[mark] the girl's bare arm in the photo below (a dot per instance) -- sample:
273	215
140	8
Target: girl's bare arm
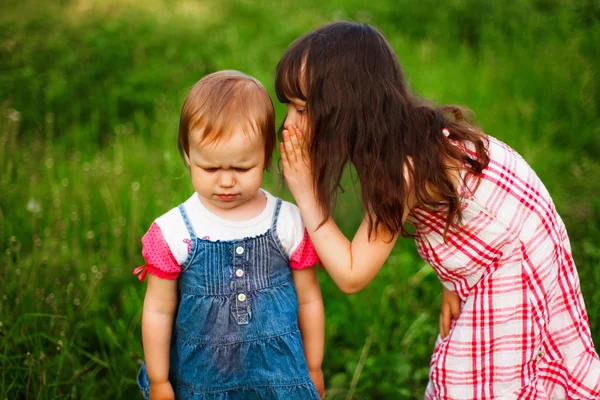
351	264
160	305
311	319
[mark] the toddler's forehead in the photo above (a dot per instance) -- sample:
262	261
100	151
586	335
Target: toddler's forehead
247	135
237	148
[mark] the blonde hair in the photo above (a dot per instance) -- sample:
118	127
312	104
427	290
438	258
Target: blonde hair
223	101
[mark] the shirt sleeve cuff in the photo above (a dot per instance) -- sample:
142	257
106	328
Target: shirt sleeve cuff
159	258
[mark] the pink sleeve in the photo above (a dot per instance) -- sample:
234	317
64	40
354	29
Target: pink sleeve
159	259
305	255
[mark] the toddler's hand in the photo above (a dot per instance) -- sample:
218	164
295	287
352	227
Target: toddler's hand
319	382
161	391
296	163
450	310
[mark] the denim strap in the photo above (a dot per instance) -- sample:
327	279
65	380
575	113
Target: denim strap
187	222
275	216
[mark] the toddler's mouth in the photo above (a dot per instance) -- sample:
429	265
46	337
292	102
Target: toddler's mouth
227	197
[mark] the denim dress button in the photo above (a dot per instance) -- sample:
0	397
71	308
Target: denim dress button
239	273
241	297
240	250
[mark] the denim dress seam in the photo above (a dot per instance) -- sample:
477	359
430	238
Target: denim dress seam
190	292
220	389
291	330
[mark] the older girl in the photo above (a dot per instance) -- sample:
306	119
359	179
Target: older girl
482	217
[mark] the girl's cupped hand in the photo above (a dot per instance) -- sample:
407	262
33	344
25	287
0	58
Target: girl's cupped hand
296	164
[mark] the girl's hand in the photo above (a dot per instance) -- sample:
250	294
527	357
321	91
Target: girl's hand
319	382
161	391
296	164
450	310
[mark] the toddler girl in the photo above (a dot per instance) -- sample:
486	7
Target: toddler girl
233	309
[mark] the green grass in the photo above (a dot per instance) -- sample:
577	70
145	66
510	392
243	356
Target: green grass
89	99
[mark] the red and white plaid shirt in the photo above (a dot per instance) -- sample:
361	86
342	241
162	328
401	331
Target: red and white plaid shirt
523	331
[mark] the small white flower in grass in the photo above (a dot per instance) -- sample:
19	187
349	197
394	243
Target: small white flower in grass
14	115
34	206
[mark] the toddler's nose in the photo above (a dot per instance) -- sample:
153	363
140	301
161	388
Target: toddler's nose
226	180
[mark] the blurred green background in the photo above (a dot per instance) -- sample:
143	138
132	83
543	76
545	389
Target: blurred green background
90	93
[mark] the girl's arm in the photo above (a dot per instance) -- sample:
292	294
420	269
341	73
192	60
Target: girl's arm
160	305
352	265
311	319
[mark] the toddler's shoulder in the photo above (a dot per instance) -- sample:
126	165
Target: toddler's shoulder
289	216
170	218
289	208
172	221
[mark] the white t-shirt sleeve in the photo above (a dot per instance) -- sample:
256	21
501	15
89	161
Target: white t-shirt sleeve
290	227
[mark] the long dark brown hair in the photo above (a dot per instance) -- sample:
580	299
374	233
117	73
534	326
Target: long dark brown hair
361	110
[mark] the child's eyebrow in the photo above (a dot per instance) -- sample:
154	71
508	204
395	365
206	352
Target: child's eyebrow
244	164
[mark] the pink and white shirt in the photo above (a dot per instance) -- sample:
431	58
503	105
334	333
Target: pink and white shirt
167	243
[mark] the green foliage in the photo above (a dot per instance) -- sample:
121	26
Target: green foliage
89	99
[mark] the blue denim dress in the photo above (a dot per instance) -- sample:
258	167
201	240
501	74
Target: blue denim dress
235	334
